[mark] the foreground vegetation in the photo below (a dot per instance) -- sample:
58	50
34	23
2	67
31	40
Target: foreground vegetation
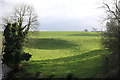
58	54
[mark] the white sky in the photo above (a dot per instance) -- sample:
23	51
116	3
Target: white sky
62	14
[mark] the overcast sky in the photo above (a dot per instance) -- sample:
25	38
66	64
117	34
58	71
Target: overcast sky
62	15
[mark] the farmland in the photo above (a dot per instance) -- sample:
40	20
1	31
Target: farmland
60	53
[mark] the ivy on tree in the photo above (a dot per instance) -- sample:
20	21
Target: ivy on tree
15	39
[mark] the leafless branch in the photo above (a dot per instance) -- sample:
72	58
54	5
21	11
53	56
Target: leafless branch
25	15
115	12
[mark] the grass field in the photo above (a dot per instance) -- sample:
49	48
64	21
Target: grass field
60	53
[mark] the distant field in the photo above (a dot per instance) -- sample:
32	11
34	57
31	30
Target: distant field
59	53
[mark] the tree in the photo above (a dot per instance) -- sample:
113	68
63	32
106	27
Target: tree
86	30
111	38
94	29
16	30
13	46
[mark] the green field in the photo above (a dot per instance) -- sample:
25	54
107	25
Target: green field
60	53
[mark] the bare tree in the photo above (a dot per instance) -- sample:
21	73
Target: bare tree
25	15
113	11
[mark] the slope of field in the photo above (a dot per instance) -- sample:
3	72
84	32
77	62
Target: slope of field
60	53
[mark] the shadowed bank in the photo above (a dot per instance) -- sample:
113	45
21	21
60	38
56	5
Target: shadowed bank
48	43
